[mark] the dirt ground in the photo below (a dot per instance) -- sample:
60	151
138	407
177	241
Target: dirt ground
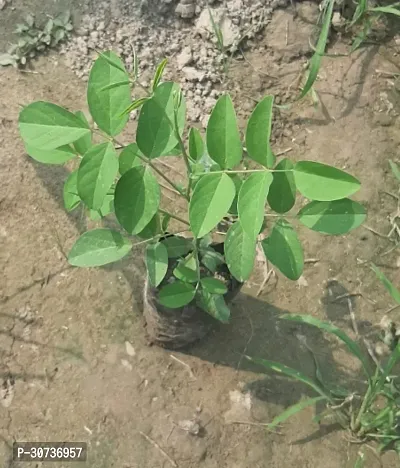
73	356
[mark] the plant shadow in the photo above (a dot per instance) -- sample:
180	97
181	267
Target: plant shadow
256	331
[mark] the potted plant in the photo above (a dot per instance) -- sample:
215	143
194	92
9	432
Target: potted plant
191	277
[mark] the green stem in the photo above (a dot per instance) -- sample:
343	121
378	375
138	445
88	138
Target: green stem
147	161
182	146
364	405
174	216
243	171
157	237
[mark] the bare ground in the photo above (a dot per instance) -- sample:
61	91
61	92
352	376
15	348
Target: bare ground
67	371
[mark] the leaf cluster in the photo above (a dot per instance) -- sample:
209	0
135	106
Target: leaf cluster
34	40
124	181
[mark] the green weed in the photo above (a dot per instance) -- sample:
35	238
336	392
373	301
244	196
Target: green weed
372	416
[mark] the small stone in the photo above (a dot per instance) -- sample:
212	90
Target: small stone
126	364
101	26
192	74
130	350
192	427
185	57
186	11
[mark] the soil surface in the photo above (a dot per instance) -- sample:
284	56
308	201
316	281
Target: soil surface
74	361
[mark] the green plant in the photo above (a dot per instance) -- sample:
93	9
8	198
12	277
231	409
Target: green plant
34	40
364	17
115	178
373	416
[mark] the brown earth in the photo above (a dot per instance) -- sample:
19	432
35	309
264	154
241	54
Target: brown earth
67	371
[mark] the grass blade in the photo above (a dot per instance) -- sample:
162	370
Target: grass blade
328	327
387	10
292	410
360	460
395	169
217	32
394	358
393	291
292	373
362	7
316	59
361	36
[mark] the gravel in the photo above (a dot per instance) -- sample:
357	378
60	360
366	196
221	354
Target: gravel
158	28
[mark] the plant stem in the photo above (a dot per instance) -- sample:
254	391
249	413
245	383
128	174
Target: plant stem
174	216
147	161
364	405
248	171
183	149
157	237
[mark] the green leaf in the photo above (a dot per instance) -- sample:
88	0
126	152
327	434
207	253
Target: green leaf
258	133
387	10
214	305
156	262
96	174
289	372
106	208
177	246
328	327
393	291
137	198
55	156
155	134
211	259
240	252
238	185
294	409
222	136
316	59
84	143
283	249
7	59
251	202
176	295
129	158
322	182
107	105
135	105
44	125
98	247
152	229
211	200
360	462
158	74
187	270
213	285
165	222
395	169
335	217
70	192
117	84
196	145
282	193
